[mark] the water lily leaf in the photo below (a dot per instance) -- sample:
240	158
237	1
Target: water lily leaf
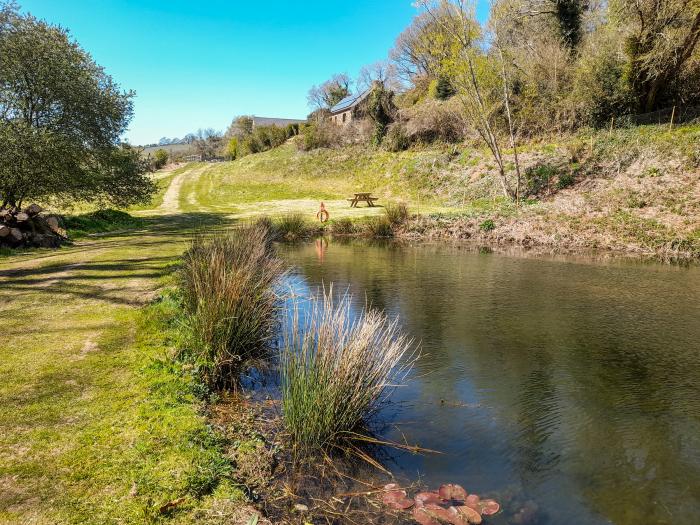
452	492
425	498
421	515
489	506
397	499
468	514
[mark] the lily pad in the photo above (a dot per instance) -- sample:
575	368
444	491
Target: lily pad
397	499
452	492
489	506
425	498
421	515
468	514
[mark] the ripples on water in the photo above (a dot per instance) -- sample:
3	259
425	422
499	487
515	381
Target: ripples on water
565	387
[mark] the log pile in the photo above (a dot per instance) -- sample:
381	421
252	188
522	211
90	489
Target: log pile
30	228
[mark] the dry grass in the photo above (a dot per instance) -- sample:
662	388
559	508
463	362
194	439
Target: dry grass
336	367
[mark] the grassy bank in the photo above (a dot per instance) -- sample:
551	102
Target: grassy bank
629	190
98	422
101	221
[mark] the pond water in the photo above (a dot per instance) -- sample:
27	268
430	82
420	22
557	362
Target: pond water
567	389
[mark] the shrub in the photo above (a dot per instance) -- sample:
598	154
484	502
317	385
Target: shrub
227	288
322	134
538	178
565	180
396	213
434	120
396	138
343	226
291	227
379	227
160	158
488	225
336	367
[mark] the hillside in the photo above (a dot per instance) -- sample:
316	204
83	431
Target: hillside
629	190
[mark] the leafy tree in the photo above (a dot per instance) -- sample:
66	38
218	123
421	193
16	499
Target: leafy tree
232	148
160	158
380	109
61	117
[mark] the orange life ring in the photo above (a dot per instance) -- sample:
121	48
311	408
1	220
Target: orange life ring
323	214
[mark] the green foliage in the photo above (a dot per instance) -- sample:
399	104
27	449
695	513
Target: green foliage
292	227
99	222
380	109
487	225
342	226
379	227
226	284
443	88
396	138
59	133
264	138
565	180
322	134
160	158
538	178
396	213
232	148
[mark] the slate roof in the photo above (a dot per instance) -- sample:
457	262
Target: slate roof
279	122
349	102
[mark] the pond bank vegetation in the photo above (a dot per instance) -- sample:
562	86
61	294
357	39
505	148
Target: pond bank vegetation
294	455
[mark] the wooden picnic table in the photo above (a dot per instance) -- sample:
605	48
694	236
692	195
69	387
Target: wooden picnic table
366	197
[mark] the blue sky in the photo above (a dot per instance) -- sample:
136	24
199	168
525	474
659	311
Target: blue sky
198	64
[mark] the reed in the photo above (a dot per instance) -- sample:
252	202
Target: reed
336	368
227	287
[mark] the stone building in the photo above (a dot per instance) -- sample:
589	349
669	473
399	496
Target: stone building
348	109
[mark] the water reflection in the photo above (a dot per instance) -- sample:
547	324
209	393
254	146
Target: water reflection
569	387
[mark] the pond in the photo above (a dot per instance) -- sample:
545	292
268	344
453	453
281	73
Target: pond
566	388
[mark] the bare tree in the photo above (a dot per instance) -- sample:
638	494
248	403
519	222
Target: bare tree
383	72
330	92
480	105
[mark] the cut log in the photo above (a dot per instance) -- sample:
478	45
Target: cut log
15	235
33	209
4	213
4	231
21	217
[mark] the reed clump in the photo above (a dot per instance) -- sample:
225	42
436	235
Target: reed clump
336	368
396	213
227	285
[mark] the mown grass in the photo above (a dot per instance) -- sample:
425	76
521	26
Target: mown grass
99	424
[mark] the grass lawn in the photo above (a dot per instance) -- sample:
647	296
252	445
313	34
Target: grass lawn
96	423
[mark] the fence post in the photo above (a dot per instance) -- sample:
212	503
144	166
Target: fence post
612	122
673	114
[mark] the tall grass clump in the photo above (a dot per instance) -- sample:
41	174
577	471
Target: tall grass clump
379	226
292	226
336	367
396	213
227	287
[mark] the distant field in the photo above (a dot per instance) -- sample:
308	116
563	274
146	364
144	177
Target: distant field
171	148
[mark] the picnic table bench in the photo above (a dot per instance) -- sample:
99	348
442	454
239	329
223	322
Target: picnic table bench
366	197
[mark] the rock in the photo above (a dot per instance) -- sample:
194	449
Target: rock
4	231
21	217
33	209
300	507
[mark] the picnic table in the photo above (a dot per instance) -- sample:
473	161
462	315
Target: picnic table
366	197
